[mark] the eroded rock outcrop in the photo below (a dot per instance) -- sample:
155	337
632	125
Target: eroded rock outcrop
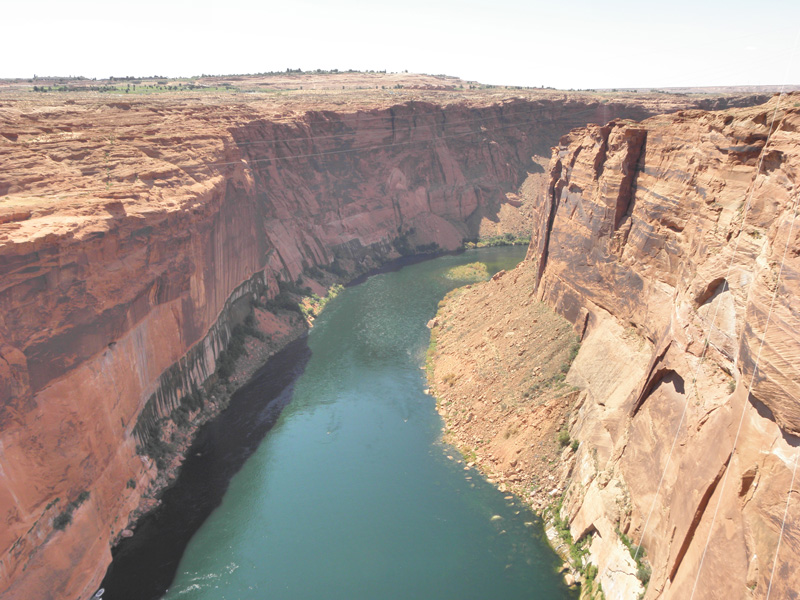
672	246
133	235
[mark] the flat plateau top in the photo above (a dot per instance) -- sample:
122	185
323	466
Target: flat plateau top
149	146
285	96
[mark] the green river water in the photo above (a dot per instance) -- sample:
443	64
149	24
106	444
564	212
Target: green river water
351	495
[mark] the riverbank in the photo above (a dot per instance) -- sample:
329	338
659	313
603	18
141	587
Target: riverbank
274	323
274	331
497	366
145	564
351	435
497	370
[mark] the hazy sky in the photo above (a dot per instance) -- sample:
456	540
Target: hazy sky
568	44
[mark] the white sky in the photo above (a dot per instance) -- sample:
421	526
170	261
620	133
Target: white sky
567	44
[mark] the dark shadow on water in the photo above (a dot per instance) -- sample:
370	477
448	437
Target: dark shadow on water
398	263
144	566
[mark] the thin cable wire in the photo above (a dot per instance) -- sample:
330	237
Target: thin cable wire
783	524
707	338
766	327
749	389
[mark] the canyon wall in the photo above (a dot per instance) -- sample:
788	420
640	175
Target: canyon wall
130	232
672	246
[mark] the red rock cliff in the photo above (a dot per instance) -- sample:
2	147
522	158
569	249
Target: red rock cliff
129	231
673	247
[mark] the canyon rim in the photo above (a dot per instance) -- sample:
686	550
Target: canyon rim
136	234
670	246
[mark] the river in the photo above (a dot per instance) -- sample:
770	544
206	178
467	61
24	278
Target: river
326	477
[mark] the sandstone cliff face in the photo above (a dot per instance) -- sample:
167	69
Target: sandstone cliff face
130	232
672	245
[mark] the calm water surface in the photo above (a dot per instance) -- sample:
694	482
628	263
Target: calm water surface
351	495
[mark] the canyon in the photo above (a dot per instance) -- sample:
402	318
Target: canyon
136	233
670	246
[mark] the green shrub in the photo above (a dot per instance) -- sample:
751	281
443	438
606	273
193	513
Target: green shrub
283	301
314	272
643	572
294	288
563	438
180	416
158	450
61	521
236	344
590	575
224	365
506	239
638	554
578	551
573	352
402	245
194	400
472	272
427	248
249	328
335	269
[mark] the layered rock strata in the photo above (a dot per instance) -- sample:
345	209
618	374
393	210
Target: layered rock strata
133	237
673	247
